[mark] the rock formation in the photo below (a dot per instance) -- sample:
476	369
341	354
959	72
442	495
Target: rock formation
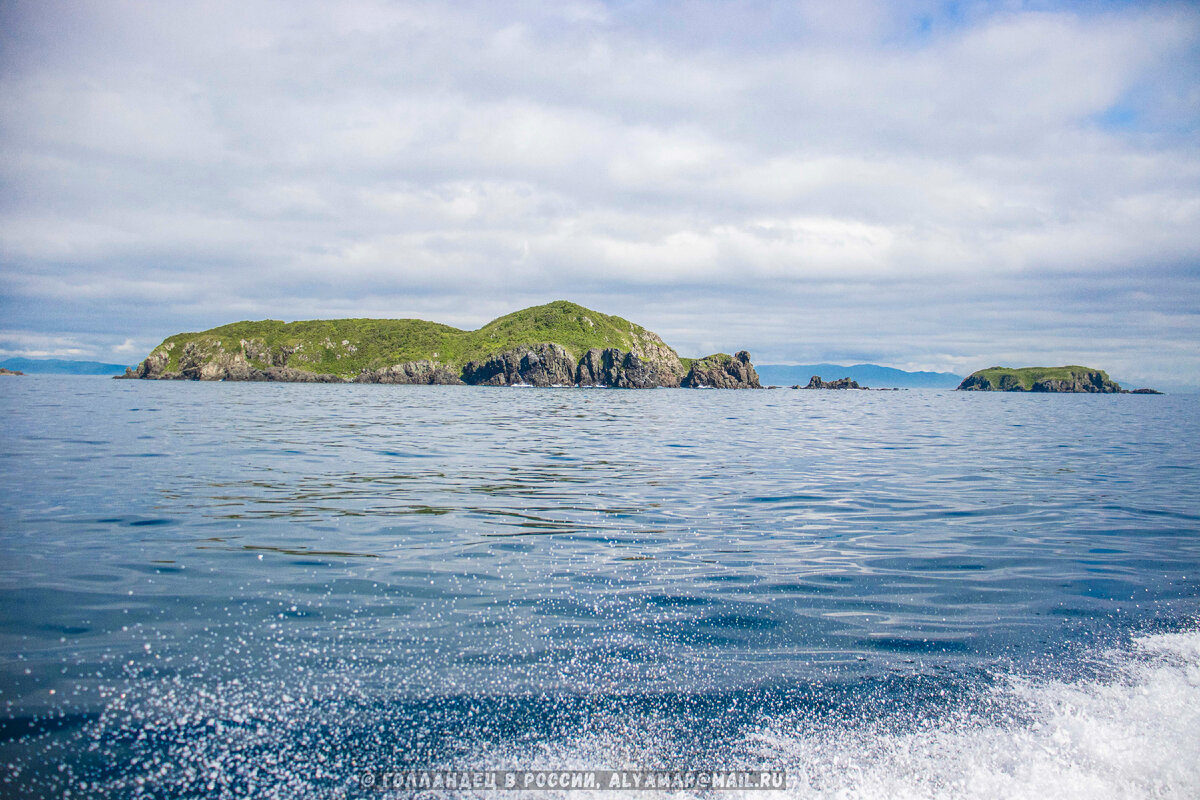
411	372
543	364
722	371
841	383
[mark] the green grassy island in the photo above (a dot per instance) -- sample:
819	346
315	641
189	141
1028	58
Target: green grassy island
557	344
1072	379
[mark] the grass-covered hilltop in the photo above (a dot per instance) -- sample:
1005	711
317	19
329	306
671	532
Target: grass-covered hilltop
1044	379
557	344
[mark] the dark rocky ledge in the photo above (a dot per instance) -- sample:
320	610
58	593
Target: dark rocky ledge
425	373
841	383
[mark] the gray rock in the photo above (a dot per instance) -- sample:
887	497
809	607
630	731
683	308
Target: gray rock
1090	383
722	372
537	365
422	372
620	370
841	383
599	367
154	365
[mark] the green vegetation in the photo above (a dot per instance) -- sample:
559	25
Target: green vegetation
572	326
714	360
346	347
1024	378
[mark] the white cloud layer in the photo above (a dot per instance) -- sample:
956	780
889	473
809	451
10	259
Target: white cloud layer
922	184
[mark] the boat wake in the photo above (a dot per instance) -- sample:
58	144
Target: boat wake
1134	733
1129	730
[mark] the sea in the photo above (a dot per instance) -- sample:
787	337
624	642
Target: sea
304	591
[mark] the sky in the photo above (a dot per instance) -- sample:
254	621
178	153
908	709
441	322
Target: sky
928	185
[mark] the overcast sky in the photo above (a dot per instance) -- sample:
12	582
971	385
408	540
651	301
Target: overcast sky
927	185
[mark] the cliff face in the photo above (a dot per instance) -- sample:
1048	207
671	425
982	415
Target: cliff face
1072	379
722	371
559	344
544	364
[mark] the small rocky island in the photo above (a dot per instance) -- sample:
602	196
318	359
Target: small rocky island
841	383
1069	379
558	344
4	371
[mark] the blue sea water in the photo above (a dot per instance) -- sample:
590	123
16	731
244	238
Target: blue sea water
225	590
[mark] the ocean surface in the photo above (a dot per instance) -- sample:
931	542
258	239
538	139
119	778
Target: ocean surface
227	590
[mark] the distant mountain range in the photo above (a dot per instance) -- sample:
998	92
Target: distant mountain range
871	375
58	366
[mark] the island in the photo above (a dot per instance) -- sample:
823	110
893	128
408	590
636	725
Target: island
1068	379
815	382
4	371
557	344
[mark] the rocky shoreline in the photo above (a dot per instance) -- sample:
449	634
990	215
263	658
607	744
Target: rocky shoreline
540	365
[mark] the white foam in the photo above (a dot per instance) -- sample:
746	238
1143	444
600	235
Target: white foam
1134	734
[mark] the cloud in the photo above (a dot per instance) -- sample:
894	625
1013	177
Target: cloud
905	183
31	344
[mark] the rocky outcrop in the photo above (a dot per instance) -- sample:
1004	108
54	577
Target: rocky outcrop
615	369
722	371
1091	383
983	383
412	372
599	367
532	365
288	375
841	383
199	363
4	371
666	368
155	364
